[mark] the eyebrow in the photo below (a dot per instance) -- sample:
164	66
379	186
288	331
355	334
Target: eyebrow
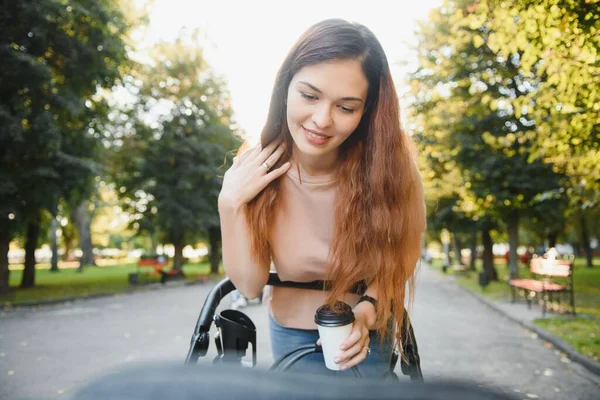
319	91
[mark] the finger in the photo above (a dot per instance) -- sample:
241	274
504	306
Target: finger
276	173
319	342
267	151
271	147
351	340
251	153
273	158
236	162
351	352
248	155
354	361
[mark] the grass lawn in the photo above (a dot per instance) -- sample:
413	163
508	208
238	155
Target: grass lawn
582	331
68	282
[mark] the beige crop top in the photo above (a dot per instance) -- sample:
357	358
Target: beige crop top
302	235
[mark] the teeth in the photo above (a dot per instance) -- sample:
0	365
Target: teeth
316	136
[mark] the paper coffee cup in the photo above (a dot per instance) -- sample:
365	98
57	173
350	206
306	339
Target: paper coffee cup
335	325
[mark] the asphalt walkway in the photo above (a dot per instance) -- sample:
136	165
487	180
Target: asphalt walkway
47	352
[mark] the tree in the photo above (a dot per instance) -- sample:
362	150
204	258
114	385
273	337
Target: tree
54	245
557	43
547	217
451	203
464	91
81	215
55	59
170	163
68	231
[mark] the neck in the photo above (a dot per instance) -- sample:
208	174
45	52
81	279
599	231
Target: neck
317	165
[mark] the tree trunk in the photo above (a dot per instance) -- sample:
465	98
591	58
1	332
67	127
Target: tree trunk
53	245
585	237
473	251
82	224
154	242
214	239
68	242
4	271
577	248
87	246
488	255
552	236
446	249
513	244
457	248
178	258
31	241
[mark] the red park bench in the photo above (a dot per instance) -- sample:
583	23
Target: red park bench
152	267
543	282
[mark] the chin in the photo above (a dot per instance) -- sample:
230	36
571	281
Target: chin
310	150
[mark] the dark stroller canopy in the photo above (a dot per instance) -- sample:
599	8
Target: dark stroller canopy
179	382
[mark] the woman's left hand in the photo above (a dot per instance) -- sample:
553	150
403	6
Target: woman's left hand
355	348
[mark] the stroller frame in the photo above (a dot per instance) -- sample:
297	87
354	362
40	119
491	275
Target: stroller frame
410	365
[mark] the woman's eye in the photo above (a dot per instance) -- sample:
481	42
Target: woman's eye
308	96
347	110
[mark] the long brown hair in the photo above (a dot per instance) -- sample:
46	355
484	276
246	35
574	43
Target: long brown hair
379	212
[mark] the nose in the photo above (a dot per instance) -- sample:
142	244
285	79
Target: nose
322	116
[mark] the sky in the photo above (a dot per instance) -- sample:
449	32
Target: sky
246	41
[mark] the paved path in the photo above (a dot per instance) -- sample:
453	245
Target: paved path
48	352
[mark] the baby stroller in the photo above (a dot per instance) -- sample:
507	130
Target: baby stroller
236	332
224	380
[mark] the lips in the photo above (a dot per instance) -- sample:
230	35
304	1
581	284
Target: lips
316	132
313	139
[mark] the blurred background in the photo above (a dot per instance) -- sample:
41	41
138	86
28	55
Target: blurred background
118	119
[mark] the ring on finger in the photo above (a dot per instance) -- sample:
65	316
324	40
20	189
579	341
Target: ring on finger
368	349
266	165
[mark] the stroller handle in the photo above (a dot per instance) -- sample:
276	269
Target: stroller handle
200	338
225	286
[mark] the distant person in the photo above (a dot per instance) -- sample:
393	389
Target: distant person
238	300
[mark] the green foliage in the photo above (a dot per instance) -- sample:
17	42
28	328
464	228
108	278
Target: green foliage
581	333
172	156
462	96
55	56
557	45
69	282
506	109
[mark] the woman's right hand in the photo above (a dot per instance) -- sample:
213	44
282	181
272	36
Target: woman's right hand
249	174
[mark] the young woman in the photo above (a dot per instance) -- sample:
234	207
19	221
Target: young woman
332	193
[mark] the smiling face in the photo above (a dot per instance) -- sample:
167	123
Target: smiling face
325	104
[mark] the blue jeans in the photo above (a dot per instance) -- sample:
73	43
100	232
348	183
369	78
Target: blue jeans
283	340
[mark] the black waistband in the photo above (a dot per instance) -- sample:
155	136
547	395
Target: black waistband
359	288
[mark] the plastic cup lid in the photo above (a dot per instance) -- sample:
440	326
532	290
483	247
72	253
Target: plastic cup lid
340	315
